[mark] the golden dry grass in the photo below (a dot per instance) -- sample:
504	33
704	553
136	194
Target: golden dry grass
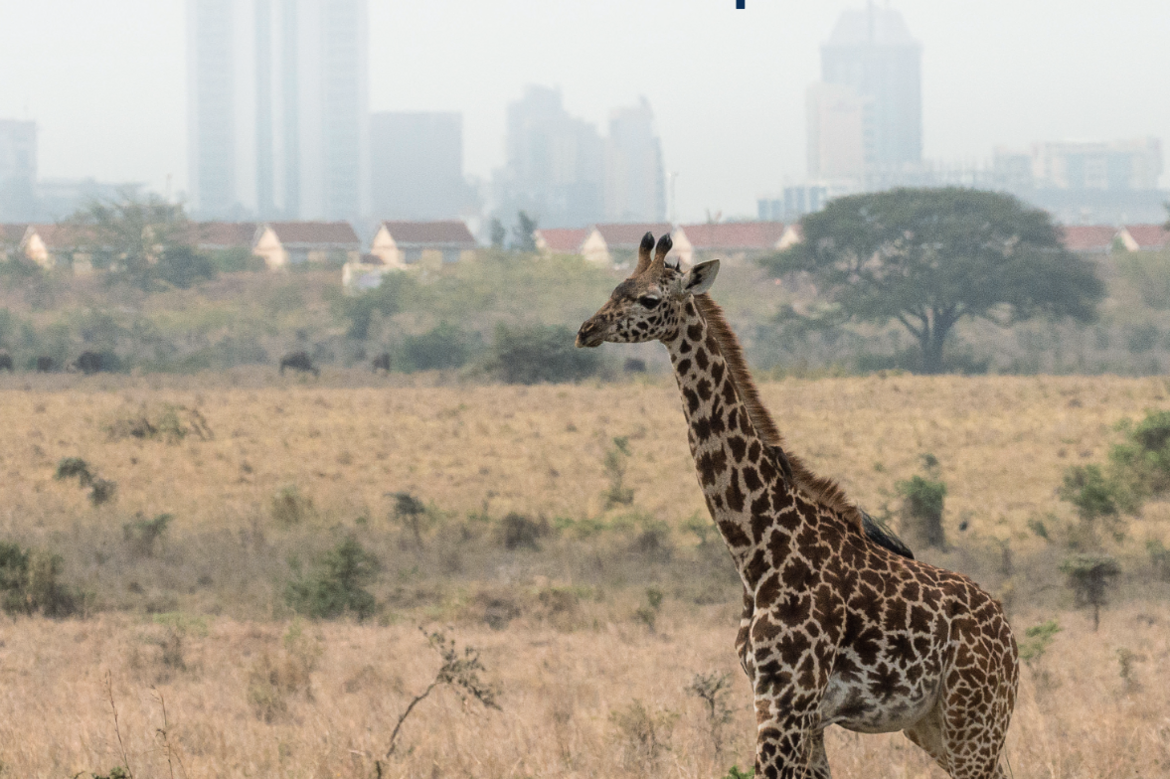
1003	444
1076	716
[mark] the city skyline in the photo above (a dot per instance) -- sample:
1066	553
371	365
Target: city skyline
727	87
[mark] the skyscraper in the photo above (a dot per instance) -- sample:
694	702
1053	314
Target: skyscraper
277	122
18	170
635	182
554	164
872	55
416	165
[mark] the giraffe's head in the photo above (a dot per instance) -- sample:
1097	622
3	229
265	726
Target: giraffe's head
648	305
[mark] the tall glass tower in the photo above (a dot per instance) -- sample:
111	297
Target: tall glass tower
277	99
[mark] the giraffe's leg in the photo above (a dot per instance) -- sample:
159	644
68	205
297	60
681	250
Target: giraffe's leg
964	732
791	748
743	637
927	733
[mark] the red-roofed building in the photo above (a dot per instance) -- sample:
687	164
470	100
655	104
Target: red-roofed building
554	240
60	246
733	241
1144	238
616	244
218	236
1088	239
405	245
282	244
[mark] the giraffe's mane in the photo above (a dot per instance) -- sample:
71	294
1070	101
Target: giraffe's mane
820	489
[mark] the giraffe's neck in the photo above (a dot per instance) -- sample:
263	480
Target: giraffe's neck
737	471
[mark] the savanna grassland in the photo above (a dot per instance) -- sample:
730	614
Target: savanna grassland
581	567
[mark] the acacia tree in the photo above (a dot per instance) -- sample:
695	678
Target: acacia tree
929	257
145	238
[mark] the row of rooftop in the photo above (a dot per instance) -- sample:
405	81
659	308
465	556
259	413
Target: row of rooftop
405	245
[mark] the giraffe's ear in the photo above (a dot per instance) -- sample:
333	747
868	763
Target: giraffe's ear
700	278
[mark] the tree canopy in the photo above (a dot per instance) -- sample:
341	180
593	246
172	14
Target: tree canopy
929	257
146	240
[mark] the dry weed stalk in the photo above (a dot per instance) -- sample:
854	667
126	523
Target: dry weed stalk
459	671
117	729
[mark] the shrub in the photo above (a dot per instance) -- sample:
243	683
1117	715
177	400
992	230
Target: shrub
541	353
1159	559
445	346
713	689
644	735
647	613
520	532
141	534
29	583
615	468
1088	576
289	507
411	514
184	267
1037	640
1142	461
387	299
337	583
100	490
922	509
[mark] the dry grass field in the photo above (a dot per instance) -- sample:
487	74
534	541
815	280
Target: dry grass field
199	620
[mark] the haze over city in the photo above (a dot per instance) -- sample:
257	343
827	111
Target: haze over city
107	88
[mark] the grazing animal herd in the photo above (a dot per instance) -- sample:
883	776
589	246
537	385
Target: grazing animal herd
90	362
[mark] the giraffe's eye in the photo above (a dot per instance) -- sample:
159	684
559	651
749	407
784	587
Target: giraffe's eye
648	301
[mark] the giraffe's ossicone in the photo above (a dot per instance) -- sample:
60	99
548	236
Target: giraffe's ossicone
839	627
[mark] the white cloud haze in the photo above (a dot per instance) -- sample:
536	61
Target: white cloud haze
106	79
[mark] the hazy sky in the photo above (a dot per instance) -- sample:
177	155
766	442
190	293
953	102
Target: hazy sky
105	79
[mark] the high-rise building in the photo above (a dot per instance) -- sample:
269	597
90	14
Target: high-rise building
871	54
18	170
416	165
635	182
554	164
277	120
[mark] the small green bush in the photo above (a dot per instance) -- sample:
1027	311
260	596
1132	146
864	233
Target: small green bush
100	490
1088	576
922	509
615	469
1142	461
289	507
412	515
184	267
443	347
519	532
1092	494
337	584
541	353
142	534
1037	640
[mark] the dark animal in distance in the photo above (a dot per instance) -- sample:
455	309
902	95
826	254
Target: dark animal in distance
382	362
6	361
634	365
298	361
90	363
46	364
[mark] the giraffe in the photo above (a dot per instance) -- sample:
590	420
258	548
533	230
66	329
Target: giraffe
839	626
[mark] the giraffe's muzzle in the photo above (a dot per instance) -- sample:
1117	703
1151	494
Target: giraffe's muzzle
590	335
